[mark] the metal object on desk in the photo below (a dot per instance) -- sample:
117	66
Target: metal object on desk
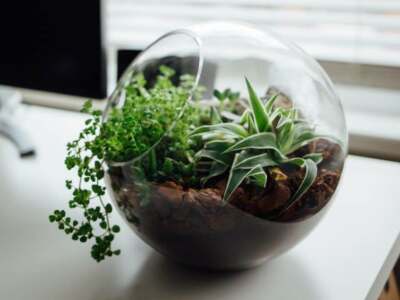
9	127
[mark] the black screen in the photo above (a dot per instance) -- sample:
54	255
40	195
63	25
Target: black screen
124	59
52	45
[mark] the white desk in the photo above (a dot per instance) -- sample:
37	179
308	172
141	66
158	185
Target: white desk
348	256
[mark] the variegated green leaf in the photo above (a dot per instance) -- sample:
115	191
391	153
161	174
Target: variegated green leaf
301	140
216	135
230	128
282	122
259	177
249	161
285	137
316	157
236	177
215	115
243	118
309	177
231	116
270	103
277	113
264	141
215	170
297	161
251	124
223	158
218	145
258	110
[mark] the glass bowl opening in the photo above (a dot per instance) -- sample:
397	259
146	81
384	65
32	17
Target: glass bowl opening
179	50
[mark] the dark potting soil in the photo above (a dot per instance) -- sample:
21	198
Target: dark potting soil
174	204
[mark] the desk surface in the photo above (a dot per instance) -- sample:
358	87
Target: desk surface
348	256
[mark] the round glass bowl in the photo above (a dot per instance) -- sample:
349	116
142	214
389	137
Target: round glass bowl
192	223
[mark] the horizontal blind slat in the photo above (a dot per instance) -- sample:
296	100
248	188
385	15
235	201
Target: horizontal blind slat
371	5
367	30
261	15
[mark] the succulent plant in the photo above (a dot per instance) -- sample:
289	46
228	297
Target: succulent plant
265	136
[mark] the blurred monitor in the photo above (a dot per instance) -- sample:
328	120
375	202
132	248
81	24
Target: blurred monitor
124	59
179	64
53	46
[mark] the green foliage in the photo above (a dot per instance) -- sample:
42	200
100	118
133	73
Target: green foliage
128	132
227	94
86	156
206	141
265	137
146	116
258	111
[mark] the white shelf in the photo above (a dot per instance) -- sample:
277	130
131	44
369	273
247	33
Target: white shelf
348	256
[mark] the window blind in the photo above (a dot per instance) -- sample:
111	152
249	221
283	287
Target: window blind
355	31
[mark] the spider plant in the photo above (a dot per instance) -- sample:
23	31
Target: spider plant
265	136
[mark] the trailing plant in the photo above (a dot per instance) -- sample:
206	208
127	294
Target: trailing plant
128	132
266	136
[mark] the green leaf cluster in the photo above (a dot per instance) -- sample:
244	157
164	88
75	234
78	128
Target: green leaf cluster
266	136
143	121
86	155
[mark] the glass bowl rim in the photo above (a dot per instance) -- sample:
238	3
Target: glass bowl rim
130	69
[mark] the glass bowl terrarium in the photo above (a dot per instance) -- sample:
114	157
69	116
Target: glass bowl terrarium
245	145
222	146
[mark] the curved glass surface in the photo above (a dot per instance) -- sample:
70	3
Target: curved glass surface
189	220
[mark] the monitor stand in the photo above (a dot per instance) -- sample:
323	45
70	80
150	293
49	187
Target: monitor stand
9	127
